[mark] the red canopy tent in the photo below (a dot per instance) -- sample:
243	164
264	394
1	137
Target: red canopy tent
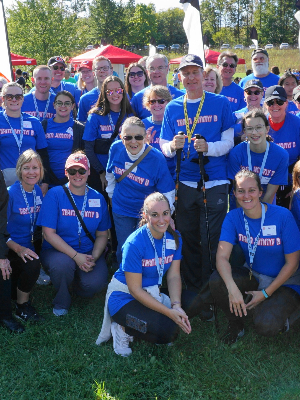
21	60
211	57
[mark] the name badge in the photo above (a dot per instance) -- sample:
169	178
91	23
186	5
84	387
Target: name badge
70	130
269	230
94	202
38	200
106	135
27	124
128	165
170	244
265	180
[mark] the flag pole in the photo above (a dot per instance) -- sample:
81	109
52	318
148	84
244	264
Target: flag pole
5	62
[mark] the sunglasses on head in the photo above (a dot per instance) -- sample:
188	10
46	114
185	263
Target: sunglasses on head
159	101
275	101
111	92
136	137
225	64
138	73
11	96
73	171
56	67
256	92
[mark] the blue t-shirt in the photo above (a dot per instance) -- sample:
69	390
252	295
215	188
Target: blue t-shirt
283	238
150	175
137	101
269	80
292	108
29	107
99	126
33	138
295	207
57	213
86	102
215	118
70	87
59	138
154	142
78	94
138	256
237	117
235	95
18	218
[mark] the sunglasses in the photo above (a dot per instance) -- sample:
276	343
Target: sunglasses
159	101
274	101
56	67
256	92
137	137
63	103
11	96
111	92
225	64
73	171
133	74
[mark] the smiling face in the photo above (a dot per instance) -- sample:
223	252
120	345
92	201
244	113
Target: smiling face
227	72
62	108
42	81
247	193
158	72
102	70
256	130
277	112
116	98
260	64
58	74
158	218
133	146
253	100
289	85
87	75
77	181
157	110
13	105
30	174
136	81
191	76
210	82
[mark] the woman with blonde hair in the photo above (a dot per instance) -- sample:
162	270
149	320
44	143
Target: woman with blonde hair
212	81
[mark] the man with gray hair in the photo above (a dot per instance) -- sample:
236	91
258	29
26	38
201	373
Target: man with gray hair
157	68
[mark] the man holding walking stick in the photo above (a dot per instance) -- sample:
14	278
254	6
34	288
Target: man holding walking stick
208	115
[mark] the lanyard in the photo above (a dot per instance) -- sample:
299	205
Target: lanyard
81	212
188	130
18	141
32	219
160	268
263	162
111	122
37	109
252	250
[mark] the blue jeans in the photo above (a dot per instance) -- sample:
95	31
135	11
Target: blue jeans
124	227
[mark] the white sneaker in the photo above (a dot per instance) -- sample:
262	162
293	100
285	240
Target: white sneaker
121	340
43	278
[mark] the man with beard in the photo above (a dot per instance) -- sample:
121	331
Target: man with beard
260	66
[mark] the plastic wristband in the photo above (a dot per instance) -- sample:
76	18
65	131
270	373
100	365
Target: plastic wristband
74	256
174	303
265	294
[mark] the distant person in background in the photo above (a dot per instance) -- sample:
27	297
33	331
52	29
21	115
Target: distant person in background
248	72
275	70
176	82
68	77
295	201
19	78
212	81
25	76
296	95
136	79
289	81
227	62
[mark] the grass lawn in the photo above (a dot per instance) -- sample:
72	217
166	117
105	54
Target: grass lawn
59	360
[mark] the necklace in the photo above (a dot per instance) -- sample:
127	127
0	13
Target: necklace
18	141
81	212
189	131
32	218
36	107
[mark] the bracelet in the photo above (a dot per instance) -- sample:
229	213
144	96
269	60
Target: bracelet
74	256
175	302
265	294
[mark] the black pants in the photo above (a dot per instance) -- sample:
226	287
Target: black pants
160	328
191	223
24	275
270	315
281	199
5	293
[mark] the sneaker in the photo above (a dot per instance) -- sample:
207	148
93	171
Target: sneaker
26	312
207	314
234	331
12	325
43	278
58	312
121	340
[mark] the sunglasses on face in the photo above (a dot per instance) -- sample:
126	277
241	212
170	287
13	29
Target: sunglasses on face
256	92
56	67
133	74
275	101
136	137
225	64
73	171
111	92
159	101
11	96
63	103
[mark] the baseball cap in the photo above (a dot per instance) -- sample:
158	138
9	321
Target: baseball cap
86	64
254	83
55	60
190	59
296	92
77	160
259	50
275	92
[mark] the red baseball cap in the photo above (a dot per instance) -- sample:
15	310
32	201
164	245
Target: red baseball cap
77	160
86	64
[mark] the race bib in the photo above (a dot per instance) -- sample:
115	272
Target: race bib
265	180
269	230
94	202
70	130
170	244
27	124
38	200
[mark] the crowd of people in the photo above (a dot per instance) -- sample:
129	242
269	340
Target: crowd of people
148	171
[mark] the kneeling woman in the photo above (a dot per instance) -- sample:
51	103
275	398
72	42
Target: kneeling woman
270	240
133	298
72	251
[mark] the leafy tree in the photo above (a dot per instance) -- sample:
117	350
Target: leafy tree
143	24
170	27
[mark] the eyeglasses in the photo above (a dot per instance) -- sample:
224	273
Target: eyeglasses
225	64
11	96
136	137
111	92
63	103
102	69
138	73
73	171
258	128
56	67
159	101
160	69
256	92
274	101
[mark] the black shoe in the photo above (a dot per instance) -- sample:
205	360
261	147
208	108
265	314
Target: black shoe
12	325
26	312
207	314
234	331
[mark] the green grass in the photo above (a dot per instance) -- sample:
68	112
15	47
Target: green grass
59	360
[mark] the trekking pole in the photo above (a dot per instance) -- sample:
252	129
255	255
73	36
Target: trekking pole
178	166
